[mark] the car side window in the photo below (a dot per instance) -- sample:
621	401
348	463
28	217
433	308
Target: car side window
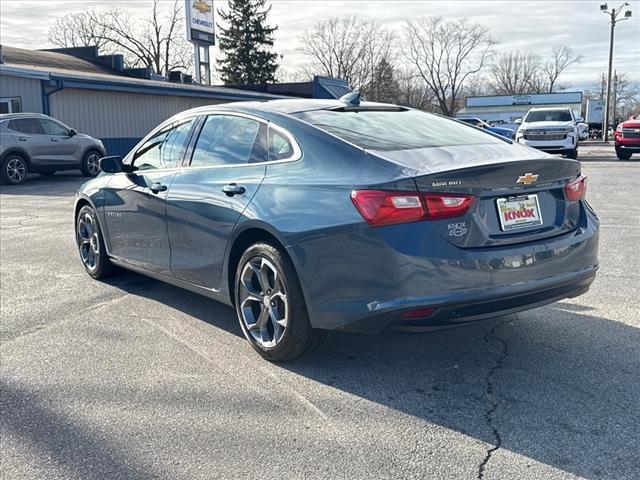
279	146
225	140
24	125
49	127
165	149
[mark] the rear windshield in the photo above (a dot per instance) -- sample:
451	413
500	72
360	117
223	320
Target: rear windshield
395	129
549	116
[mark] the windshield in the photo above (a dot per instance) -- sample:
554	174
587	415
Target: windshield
395	129
549	116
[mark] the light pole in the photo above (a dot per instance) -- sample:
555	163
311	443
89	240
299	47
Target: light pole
604	8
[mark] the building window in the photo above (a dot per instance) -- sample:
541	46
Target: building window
10	105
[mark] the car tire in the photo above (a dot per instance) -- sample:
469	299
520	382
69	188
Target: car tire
270	305
573	154
90	163
623	155
90	242
47	173
14	169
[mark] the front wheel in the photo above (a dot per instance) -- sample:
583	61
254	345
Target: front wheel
91	244
573	154
14	170
270	305
623	155
91	164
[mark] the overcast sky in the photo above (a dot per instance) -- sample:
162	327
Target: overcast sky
534	25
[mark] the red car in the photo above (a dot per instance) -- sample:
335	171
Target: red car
627	137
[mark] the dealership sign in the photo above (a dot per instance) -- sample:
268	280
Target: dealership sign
199	15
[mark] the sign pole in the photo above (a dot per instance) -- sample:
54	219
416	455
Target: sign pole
196	56
200	32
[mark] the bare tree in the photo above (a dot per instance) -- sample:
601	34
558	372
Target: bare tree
413	92
562	57
77	30
446	53
348	48
625	96
515	73
155	42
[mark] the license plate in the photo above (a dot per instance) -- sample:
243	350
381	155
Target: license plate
519	212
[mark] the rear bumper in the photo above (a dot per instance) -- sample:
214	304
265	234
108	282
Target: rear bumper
364	280
459	311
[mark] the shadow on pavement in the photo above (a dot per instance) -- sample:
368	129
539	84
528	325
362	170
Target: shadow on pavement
80	450
563	392
210	311
59	185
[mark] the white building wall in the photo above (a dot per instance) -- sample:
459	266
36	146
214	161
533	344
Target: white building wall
28	89
105	114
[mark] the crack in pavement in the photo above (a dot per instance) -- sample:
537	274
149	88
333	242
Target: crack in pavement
491	396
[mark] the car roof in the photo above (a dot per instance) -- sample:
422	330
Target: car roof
287	106
11	116
550	108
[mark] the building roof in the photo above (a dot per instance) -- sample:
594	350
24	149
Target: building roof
320	87
53	60
68	71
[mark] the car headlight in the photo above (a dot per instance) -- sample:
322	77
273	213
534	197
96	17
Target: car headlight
568	130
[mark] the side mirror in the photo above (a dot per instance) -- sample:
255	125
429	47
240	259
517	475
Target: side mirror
72	132
579	120
518	121
111	164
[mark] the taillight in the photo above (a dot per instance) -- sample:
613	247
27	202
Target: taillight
576	189
418	313
385	207
450	205
382	207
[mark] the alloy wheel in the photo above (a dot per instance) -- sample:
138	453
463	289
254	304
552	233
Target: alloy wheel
263	302
93	164
16	170
88	242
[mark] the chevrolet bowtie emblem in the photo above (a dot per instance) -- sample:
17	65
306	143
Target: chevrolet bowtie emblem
527	178
201	6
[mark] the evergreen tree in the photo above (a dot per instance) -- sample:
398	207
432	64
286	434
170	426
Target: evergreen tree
246	43
383	86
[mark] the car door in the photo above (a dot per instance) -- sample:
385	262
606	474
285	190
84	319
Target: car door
135	205
207	198
63	149
28	136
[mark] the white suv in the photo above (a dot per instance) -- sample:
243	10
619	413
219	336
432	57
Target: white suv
553	130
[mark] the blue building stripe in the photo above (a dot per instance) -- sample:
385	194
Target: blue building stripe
119	146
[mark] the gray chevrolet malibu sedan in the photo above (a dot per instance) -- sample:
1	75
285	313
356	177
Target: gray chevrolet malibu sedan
310	215
33	142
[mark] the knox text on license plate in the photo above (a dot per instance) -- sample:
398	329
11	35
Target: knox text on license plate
519	212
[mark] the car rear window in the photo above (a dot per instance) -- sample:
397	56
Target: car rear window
24	125
395	129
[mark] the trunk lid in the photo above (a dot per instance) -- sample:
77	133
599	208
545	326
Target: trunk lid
498	177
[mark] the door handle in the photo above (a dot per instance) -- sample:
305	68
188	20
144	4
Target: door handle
22	139
53	139
158	187
233	189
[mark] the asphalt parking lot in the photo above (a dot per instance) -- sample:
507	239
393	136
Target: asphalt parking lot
131	378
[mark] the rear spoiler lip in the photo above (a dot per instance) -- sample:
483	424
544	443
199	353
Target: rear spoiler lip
447	160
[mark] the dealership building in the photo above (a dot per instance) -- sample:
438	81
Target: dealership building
97	95
506	109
